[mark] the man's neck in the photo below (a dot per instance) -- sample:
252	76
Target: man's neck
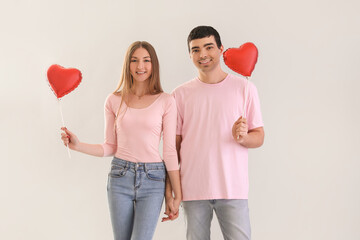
212	77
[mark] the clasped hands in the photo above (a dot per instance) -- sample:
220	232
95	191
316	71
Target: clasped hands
171	208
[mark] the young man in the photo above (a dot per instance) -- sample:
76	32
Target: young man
213	138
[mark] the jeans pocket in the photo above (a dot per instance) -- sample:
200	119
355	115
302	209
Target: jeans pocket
117	171
156	174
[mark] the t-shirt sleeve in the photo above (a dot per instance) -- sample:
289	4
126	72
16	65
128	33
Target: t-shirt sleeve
109	144
169	135
179	118
253	111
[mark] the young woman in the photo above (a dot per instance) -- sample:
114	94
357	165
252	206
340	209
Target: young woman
136	115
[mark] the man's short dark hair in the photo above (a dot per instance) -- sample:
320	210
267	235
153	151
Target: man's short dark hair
202	32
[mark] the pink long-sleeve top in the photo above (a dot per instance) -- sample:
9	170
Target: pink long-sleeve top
138	131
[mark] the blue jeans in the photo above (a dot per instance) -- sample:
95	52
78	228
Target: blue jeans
233	217
135	194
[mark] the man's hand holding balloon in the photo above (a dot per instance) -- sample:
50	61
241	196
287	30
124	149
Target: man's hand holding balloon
240	130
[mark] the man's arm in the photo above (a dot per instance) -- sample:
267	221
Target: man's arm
247	138
254	138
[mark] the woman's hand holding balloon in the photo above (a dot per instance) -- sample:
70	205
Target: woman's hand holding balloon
69	139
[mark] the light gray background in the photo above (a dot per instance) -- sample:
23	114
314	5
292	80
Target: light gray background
304	181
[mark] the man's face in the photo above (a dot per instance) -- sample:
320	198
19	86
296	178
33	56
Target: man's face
205	53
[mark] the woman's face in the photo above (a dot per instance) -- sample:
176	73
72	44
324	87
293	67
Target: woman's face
140	65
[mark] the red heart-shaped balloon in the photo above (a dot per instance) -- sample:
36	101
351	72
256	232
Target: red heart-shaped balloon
63	80
243	59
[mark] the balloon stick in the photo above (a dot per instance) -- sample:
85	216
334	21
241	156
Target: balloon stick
63	123
245	100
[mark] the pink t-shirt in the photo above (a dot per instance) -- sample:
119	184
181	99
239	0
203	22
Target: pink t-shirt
138	131
213	165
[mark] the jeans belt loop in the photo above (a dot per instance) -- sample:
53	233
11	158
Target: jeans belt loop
145	168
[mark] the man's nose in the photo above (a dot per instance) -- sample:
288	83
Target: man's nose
203	53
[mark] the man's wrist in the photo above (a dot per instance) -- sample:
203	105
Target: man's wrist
242	140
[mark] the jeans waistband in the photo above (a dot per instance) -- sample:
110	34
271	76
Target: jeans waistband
138	165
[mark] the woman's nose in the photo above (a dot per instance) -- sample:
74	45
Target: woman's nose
140	65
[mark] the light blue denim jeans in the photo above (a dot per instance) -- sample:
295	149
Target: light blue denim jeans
135	194
233	217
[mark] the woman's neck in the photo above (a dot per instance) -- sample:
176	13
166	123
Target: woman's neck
140	89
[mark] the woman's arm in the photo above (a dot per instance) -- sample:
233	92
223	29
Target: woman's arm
174	177
71	140
171	159
169	198
108	148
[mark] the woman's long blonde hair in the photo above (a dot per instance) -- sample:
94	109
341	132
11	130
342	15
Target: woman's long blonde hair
126	82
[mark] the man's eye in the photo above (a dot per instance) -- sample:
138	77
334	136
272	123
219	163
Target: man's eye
195	51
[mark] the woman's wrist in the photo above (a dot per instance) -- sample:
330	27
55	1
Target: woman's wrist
178	196
77	147
168	195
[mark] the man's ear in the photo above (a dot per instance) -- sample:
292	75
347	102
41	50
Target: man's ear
222	49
